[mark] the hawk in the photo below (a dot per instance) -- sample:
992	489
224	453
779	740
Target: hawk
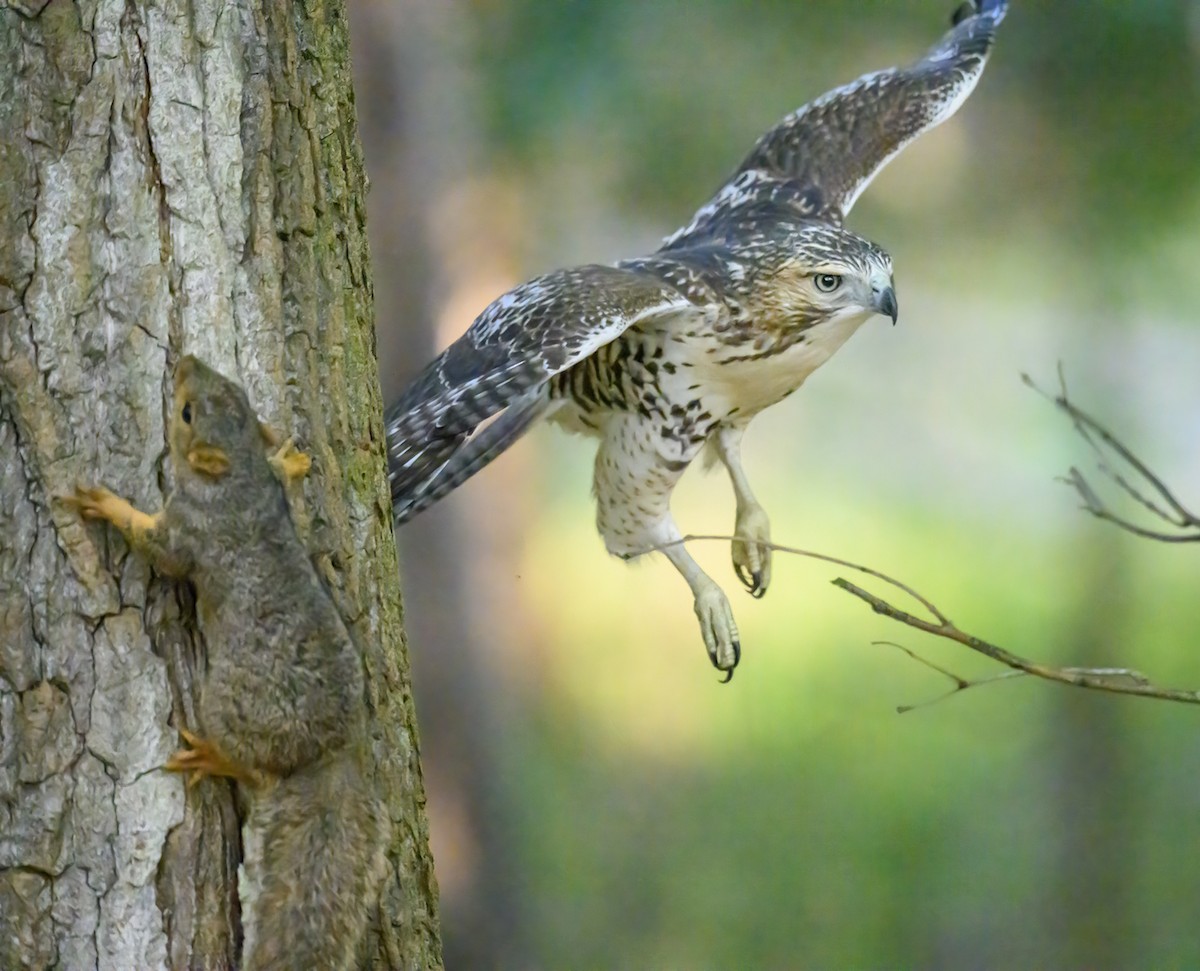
668	355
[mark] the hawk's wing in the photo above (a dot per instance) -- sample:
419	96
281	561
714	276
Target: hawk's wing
502	364
837	144
820	158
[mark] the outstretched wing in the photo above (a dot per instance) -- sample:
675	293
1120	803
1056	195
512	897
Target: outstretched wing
502	364
819	159
837	144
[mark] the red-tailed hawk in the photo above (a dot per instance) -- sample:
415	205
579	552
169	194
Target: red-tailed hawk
661	356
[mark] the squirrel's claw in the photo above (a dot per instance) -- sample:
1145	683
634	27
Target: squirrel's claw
290	463
97	502
204	758
91	502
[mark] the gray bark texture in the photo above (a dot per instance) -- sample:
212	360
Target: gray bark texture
176	176
419	120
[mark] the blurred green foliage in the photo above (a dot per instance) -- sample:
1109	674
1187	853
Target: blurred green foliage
674	92
796	821
791	819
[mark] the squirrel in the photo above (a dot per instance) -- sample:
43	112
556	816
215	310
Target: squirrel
281	707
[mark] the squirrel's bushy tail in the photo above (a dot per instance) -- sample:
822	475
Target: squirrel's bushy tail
324	842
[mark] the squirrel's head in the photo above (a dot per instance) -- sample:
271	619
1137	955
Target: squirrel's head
212	421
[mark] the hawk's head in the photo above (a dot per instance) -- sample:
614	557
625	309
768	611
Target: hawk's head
831	274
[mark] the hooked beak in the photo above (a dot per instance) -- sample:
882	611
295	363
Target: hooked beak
884	302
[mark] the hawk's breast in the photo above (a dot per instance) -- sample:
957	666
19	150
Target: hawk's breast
755	377
693	374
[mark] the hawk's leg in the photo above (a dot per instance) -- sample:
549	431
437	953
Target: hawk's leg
717	625
636	470
751	553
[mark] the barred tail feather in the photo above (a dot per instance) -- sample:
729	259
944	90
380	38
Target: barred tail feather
412	464
441	466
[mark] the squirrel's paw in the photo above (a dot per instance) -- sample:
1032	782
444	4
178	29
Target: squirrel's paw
290	463
92	502
96	502
204	758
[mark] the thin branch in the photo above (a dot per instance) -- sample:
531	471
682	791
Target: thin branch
1086	425
1122	681
1099	439
960	683
824	558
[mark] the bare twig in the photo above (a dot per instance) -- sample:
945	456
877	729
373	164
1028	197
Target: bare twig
1165	507
1145	488
795	551
960	684
1122	681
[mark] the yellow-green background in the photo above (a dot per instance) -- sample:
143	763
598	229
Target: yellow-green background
598	800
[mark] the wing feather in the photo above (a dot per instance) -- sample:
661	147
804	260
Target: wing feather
445	469
837	144
817	161
821	157
515	346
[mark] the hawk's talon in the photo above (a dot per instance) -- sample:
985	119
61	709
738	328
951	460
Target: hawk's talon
752	550
737	659
718	628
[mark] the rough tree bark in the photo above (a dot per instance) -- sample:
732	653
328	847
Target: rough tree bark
177	176
417	105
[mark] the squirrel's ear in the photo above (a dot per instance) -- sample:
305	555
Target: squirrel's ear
208	460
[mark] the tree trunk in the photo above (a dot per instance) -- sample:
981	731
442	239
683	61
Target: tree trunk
417	105
176	177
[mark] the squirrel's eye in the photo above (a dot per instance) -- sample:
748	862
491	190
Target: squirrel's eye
187	413
827	282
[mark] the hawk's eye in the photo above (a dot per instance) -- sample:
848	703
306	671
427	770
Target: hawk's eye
827	282
186	414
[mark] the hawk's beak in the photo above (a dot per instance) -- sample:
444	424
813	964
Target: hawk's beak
885	302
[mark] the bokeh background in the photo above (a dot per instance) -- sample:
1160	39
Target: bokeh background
597	799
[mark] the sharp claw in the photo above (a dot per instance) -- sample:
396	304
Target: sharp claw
752	579
728	672
718	628
737	658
